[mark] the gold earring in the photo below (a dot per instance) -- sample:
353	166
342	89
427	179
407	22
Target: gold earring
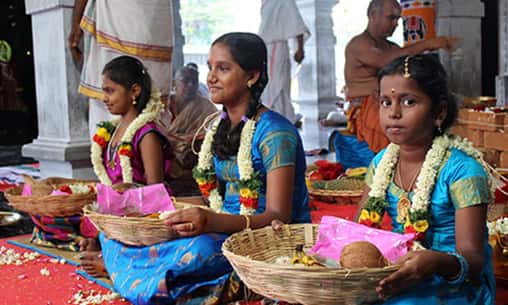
134	102
249	84
438	126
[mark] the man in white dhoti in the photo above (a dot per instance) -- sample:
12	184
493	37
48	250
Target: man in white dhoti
280	22
143	29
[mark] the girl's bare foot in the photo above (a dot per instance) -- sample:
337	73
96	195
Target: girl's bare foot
93	264
91	258
89	244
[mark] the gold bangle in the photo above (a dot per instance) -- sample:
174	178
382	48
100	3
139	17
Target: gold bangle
247	222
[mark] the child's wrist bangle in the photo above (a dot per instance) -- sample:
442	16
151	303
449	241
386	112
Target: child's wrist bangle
461	277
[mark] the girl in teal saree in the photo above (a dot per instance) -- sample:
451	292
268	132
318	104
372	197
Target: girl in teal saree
432	184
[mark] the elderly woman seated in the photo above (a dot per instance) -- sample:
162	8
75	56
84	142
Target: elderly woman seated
189	109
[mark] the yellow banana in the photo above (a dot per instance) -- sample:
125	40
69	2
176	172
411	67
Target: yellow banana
357	171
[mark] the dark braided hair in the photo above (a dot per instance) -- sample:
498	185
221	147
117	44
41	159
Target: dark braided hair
249	52
432	79
127	71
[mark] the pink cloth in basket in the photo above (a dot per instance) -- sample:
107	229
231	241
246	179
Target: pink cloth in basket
335	233
137	201
27	190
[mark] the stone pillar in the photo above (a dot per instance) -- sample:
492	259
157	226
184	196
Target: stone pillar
502	78
62	146
179	41
317	76
462	19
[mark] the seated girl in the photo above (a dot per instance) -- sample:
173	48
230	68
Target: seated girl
132	149
432	184
251	168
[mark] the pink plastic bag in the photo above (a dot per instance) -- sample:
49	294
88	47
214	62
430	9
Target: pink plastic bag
59	193
138	201
335	233
27	190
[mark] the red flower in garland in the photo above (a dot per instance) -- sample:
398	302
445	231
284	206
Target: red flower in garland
367	223
251	203
411	229
206	188
99	140
125	152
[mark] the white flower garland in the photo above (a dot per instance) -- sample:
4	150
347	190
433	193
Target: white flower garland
428	173
149	114
244	161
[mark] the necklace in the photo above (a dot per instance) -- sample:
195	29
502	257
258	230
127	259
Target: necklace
418	219
404	203
110	154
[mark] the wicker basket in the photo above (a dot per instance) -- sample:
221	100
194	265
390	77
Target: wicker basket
47	205
350	194
134	231
251	253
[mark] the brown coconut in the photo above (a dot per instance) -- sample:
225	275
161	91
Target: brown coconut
362	254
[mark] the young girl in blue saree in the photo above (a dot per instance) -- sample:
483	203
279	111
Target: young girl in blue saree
432	184
251	169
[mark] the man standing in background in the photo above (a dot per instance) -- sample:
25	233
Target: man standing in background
280	22
366	54
143	29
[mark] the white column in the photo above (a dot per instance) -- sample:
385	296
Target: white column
462	19
316	79
62	147
177	59
502	78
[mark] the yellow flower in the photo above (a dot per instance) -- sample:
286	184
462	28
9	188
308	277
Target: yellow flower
375	217
254	194
125	146
200	181
407	223
364	215
103	132
245	193
421	226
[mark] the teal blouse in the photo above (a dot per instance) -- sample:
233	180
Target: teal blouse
461	183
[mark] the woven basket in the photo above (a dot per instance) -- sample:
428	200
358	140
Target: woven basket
251	253
350	194
134	231
47	205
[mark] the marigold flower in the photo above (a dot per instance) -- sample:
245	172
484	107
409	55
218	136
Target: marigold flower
249	202
367	223
103	133
421	226
364	215
375	217
125	152
245	193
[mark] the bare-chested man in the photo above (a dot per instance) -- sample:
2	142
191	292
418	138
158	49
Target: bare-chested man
365	55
